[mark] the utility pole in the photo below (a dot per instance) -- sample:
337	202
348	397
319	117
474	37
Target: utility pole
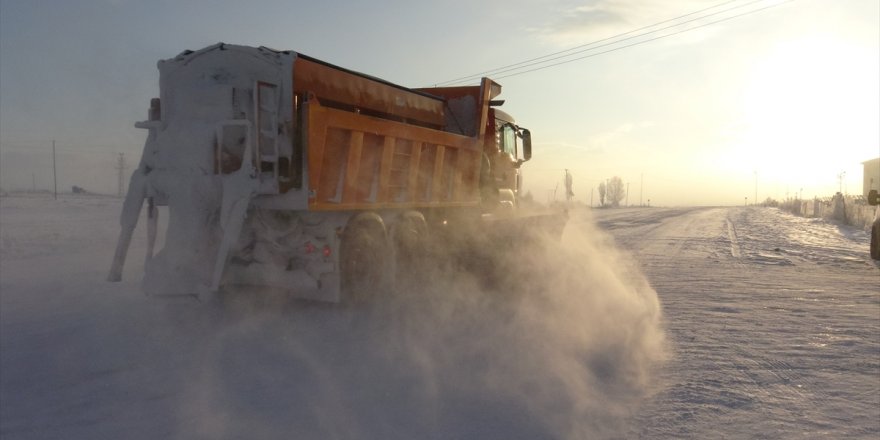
120	167
569	194
627	194
755	200
840	179
54	170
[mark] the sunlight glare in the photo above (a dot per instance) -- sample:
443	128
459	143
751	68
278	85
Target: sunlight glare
809	111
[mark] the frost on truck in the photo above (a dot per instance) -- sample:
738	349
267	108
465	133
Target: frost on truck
283	172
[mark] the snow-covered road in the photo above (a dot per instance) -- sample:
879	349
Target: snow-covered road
564	350
774	322
770	328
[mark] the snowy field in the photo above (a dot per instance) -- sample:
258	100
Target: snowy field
650	323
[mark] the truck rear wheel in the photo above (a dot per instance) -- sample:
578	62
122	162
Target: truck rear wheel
363	257
409	236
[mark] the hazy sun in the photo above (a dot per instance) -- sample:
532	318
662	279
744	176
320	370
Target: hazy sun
810	111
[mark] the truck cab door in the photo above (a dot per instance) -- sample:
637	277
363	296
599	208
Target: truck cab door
505	168
511	154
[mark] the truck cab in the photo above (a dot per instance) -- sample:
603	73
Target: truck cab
508	147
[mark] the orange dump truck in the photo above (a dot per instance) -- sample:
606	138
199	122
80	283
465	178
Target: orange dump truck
283	172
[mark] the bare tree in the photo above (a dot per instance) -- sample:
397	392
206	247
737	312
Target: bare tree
615	191
569	194
602	193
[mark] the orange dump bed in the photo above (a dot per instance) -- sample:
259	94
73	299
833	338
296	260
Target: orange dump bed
363	162
372	145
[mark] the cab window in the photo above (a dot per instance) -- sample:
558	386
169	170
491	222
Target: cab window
506	138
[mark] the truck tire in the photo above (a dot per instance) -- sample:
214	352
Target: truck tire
488	188
409	237
363	258
875	241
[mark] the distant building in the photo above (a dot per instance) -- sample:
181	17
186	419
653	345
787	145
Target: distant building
871	176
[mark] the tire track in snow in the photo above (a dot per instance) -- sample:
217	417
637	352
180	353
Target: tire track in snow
656	235
774	335
735	250
770	374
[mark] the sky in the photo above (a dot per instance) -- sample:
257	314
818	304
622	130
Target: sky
780	102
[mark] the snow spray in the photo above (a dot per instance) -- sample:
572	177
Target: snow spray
564	346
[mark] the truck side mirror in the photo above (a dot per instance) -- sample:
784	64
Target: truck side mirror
526	144
873	198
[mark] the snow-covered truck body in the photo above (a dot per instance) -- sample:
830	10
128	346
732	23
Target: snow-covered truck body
287	173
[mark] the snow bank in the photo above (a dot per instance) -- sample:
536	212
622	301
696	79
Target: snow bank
845	209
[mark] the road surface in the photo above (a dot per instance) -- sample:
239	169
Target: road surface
770	328
774	323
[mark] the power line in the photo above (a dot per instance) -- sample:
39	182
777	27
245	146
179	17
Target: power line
531	60
33	147
639	35
78	145
574	51
646	41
